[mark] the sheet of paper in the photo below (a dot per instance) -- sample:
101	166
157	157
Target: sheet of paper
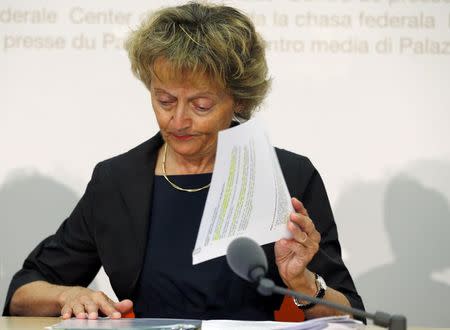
331	323
256	325
248	195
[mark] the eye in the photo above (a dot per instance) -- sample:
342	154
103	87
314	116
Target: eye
202	109
203	105
166	103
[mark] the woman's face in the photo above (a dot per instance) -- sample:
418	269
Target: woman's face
190	110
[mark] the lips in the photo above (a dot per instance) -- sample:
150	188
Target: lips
182	137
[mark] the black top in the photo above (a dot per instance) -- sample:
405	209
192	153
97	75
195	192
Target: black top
110	224
170	286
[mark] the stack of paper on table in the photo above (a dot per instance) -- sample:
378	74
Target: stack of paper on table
333	322
341	322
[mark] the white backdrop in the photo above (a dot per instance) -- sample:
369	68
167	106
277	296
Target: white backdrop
361	87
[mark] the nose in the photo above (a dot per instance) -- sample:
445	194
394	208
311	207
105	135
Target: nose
181	119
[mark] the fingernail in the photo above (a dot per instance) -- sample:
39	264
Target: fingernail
93	315
116	315
81	315
66	316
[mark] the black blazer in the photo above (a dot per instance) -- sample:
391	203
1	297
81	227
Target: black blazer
109	227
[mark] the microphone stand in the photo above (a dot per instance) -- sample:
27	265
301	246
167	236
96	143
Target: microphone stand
247	259
267	287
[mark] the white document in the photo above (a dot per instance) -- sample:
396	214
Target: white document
248	195
330	323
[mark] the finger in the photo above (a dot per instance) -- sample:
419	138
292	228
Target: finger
91	315
298	206
299	235
306	225
106	305
303	246
124	306
304	222
315	236
90	307
66	312
78	311
308	240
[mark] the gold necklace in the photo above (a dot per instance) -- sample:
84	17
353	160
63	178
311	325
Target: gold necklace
173	184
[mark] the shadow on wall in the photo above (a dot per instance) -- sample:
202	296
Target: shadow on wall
416	222
359	215
32	206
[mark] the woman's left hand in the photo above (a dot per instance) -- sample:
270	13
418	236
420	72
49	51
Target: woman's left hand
293	255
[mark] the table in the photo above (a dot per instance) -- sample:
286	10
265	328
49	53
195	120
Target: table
39	323
27	323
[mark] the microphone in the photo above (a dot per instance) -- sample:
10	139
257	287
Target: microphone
248	260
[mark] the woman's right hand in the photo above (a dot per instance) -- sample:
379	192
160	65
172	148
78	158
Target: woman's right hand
86	303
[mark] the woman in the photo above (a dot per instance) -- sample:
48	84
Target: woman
204	66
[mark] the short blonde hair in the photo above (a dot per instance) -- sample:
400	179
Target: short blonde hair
207	38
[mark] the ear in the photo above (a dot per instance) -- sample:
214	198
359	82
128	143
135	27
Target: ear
238	108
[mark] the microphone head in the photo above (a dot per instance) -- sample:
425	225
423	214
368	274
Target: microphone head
247	259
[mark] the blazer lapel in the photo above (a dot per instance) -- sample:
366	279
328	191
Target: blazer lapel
136	189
